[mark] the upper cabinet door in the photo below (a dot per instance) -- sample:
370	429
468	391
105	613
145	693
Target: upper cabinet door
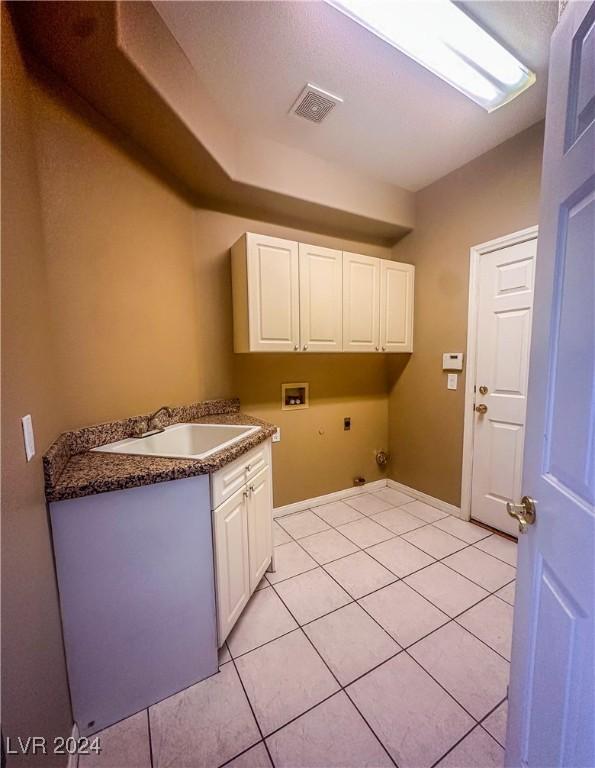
273	294
321	298
361	303
396	306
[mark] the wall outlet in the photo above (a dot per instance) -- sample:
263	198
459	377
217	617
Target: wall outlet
28	436
452	381
347	423
277	435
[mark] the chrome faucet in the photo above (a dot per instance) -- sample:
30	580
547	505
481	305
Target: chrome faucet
164	408
153	427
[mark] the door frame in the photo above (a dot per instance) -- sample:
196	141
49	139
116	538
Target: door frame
475	254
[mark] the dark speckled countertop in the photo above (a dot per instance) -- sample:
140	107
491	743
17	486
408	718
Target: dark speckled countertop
72	470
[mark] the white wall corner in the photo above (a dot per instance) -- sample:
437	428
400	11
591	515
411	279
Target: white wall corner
317	501
376	485
431	500
73	757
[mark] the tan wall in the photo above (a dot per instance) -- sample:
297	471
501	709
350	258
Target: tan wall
340	385
494	195
125	287
140	285
34	691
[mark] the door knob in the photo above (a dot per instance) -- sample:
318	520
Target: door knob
483	390
305	347
297	346
481	408
377	349
524	512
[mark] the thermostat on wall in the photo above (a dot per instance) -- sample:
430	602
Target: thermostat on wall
452	361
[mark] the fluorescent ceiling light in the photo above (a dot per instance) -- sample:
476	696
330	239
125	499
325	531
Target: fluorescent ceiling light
441	37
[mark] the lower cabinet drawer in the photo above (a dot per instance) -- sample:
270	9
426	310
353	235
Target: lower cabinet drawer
234	476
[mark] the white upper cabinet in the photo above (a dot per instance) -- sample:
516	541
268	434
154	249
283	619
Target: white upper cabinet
266	294
396	306
361	303
321	299
290	297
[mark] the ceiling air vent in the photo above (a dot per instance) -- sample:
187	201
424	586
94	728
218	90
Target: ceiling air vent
314	104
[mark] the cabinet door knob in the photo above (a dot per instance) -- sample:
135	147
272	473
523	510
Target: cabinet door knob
248	467
377	348
297	346
384	349
305	346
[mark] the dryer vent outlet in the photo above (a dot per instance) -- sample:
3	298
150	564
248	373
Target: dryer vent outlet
314	103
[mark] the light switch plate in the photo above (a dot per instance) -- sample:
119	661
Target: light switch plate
28	436
452	381
277	435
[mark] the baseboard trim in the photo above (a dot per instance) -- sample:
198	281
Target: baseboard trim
73	758
317	501
421	496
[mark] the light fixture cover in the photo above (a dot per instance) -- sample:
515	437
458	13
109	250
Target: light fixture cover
441	37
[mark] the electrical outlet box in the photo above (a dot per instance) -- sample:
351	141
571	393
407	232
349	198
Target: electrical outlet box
277	435
28	437
452	361
347	423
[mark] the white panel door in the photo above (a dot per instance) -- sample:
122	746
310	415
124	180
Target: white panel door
273	294
502	367
361	303
232	566
321	299
551	720
260	525
396	306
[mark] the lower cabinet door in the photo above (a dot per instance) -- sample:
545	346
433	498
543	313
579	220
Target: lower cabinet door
260	525
232	561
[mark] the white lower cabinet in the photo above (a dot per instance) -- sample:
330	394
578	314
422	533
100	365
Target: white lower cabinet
243	537
232	561
260	526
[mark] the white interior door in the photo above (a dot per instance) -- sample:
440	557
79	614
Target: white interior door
505	302
321	299
551	718
396	306
361	303
273	292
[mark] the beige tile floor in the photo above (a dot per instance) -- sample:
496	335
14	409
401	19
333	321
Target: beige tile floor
382	639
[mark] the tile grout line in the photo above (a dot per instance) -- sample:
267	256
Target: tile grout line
436	560
237	671
401	535
355	600
450	618
477	725
341	687
412	514
475	720
150	738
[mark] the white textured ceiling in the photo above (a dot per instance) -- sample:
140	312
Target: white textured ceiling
398	121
